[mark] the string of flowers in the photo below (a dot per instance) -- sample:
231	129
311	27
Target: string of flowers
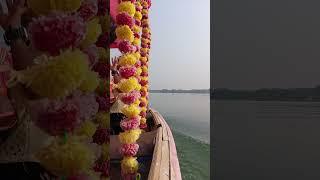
102	134
126	32
144	51
63	76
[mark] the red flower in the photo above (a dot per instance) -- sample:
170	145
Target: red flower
103	69
101	136
127	71
88	9
126	47
103	40
125	19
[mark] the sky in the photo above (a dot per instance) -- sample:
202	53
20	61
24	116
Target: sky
180	45
266	44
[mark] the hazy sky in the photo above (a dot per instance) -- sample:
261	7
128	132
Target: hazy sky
180	52
274	43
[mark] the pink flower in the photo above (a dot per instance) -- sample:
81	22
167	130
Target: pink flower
130	123
104	103
56	32
125	19
143	93
143	126
102	7
126	47
143	114
138	23
103	69
127	71
129	149
88	9
101	136
92	52
138	64
143	82
136	35
130	98
59	118
142	104
103	40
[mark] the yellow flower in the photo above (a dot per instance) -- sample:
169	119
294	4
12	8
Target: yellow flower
92	33
131	111
136	42
128	85
103	118
138	72
143	109
137	55
129	165
138	15
124	33
143	59
105	23
87	129
127	60
129	137
136	29
60	76
90	83
47	6
128	7
143	121
144	11
136	103
105	151
145	30
66	158
144	69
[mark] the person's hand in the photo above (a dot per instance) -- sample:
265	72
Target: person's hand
16	8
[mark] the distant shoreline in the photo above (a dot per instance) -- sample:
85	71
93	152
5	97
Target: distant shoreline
272	94
173	91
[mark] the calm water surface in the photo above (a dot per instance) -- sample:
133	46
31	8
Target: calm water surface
267	140
188	115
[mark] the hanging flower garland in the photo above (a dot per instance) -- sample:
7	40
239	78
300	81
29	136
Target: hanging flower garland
127	33
66	77
144	51
101	136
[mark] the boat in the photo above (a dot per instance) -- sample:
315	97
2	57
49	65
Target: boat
157	153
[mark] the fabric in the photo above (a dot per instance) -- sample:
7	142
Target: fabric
113	8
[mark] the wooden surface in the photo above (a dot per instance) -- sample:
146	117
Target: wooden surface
165	164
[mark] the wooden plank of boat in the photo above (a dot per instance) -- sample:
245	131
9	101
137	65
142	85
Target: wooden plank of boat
165	164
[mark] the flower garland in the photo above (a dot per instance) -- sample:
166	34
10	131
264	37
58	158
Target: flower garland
127	33
101	136
66	78
144	51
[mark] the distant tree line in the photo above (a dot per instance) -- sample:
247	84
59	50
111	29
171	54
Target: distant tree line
293	94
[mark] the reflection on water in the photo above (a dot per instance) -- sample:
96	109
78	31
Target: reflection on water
267	140
188	115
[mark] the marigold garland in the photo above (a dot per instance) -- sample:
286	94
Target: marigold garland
64	75
129	41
